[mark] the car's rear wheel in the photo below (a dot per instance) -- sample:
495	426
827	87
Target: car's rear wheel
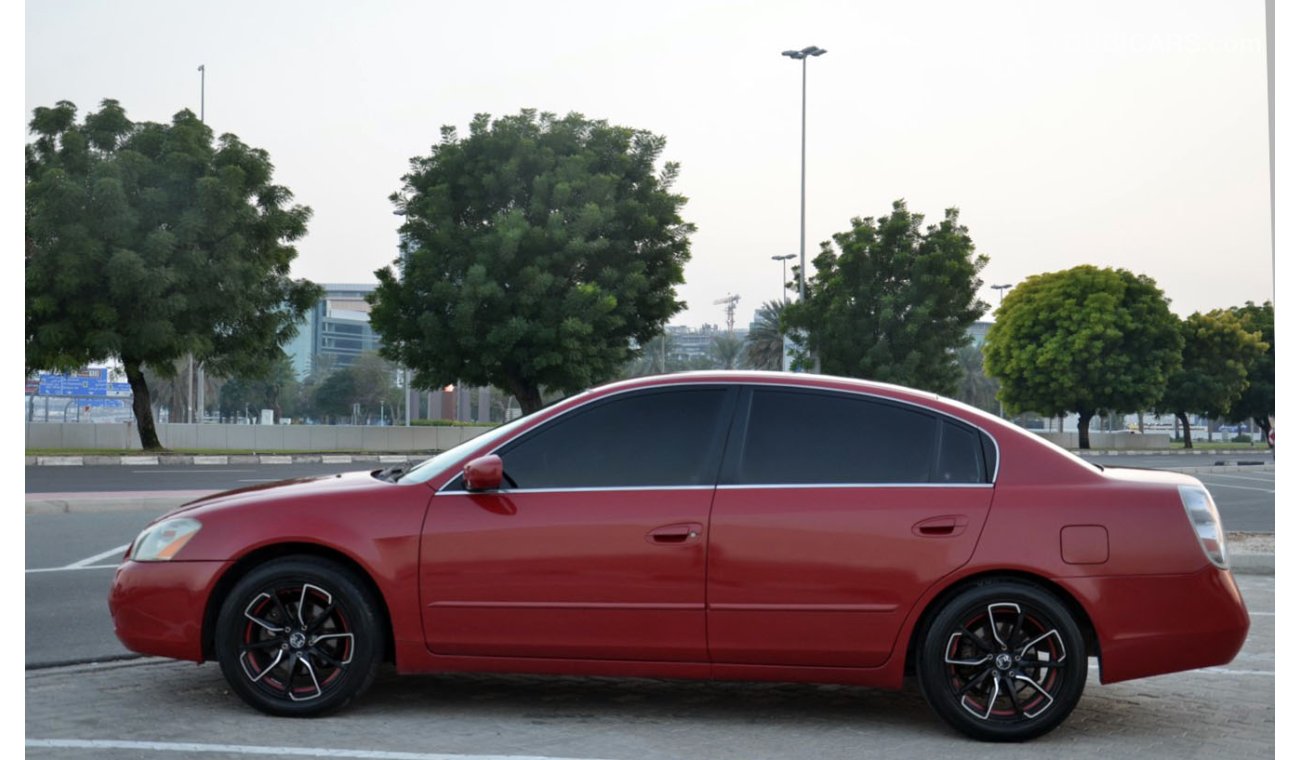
299	636
1002	661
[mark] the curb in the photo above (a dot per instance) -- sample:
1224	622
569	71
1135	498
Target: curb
1209	469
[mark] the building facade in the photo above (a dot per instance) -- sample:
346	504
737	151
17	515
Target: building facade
338	327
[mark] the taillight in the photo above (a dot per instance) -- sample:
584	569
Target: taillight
1205	523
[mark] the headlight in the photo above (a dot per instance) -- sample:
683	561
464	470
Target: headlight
160	542
1205	522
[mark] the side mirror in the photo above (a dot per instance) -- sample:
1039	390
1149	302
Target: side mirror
484	473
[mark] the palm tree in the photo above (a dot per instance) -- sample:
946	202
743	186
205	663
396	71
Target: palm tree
975	387
727	352
765	347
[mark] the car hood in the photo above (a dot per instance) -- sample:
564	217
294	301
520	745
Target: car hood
291	488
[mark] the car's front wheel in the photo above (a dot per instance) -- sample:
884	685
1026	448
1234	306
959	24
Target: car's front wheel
1002	661
299	636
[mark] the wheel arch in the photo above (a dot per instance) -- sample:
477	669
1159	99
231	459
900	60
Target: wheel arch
221	589
1076	609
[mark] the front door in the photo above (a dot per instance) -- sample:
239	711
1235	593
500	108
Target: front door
595	545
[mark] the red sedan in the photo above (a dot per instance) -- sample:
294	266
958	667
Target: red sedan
717	525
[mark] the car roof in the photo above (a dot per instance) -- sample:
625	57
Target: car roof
790	379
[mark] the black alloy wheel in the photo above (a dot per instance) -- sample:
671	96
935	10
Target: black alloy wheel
299	636
1002	661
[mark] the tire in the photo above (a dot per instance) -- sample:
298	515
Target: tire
1002	661
299	665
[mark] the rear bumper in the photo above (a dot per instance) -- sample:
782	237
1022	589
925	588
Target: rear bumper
158	607
1152	624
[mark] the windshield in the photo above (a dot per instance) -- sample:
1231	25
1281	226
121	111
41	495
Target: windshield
430	468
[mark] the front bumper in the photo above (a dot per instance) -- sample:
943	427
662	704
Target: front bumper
158	607
1153	624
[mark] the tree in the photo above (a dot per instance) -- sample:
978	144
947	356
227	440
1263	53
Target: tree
276	389
1216	353
976	387
896	303
1257	401
765	344
536	253
1083	340
727	351
146	242
336	394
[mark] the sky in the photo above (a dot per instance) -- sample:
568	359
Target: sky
1118	134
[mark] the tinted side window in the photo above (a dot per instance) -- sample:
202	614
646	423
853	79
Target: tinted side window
649	439
960	458
800	437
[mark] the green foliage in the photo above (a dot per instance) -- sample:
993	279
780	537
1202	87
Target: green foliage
536	252
277	389
1217	350
1257	402
368	381
1083	340
976	387
895	305
765	344
727	351
147	241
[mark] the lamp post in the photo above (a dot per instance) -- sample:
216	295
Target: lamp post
802	56
999	289
406	372
189	383
783	259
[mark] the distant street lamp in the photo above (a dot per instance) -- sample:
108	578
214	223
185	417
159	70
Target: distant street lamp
999	289
406	373
783	259
802	55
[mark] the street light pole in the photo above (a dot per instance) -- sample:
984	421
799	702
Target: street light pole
406	371
999	289
802	57
190	411
784	298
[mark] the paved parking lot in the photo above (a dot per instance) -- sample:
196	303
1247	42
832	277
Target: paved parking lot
158	708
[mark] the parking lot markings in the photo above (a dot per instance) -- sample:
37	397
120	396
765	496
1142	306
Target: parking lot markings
238	749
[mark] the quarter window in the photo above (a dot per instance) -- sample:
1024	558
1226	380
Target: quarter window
663	438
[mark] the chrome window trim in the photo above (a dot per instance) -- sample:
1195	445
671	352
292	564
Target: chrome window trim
509	491
748	486
749	383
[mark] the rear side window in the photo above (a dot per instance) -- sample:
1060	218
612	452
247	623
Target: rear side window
664	438
797	437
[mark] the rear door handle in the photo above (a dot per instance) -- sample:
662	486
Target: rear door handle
940	527
680	533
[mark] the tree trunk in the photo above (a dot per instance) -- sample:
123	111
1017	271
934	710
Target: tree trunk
1265	427
1085	419
140	405
1187	429
527	394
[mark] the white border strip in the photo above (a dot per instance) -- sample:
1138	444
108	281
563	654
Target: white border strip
115	551
240	749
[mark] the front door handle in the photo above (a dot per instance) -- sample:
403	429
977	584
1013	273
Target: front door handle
680	533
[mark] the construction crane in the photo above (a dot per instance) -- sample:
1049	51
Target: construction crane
730	301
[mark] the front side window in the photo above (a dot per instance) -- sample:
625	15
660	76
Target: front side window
800	437
653	438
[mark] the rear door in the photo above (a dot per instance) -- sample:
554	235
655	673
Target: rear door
596	546
834	512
